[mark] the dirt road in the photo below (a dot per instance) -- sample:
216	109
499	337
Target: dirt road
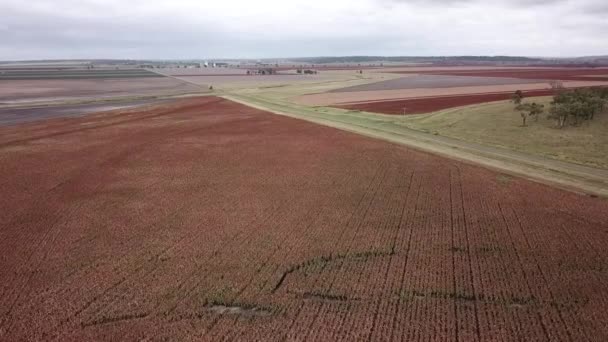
569	176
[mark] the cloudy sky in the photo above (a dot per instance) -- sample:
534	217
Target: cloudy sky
158	29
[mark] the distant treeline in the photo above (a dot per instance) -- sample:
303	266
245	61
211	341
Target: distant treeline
416	59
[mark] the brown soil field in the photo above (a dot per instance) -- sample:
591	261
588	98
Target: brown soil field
207	74
423	69
345	98
434	81
336	67
566	74
13	116
203	71
204	220
233	71
507	68
22	90
254	80
432	104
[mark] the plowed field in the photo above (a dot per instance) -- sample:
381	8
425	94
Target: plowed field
206	220
435	81
432	104
16	91
565	74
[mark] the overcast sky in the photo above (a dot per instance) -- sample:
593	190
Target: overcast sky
185	29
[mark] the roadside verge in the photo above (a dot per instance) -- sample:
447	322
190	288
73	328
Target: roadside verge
573	177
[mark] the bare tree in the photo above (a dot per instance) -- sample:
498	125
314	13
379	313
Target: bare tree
556	85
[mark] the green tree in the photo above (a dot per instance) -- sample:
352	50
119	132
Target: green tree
560	113
536	110
530	109
517	97
579	105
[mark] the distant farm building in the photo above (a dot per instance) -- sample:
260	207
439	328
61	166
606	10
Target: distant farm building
307	71
262	71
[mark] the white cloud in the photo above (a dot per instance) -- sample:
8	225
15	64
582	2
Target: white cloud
268	28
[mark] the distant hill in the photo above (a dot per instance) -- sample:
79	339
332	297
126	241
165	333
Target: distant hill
594	59
419	59
585	61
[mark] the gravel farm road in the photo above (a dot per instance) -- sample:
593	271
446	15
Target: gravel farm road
574	177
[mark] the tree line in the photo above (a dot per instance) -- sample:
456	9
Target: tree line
569	106
403	59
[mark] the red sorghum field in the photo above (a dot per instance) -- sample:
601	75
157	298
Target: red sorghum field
431	104
206	220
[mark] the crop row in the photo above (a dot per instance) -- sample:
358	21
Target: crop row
207	220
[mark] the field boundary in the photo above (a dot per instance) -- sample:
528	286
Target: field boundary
568	176
102	100
431	97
